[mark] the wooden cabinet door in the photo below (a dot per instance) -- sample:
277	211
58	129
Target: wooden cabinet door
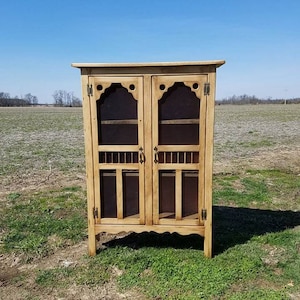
118	149
178	139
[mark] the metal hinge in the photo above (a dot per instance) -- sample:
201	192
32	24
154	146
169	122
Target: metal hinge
90	90
95	212
204	214
206	89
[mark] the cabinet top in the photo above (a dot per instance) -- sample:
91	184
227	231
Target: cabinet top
214	63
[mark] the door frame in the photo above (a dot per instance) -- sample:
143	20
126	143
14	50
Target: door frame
157	94
138	95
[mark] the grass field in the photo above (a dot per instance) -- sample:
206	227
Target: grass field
256	215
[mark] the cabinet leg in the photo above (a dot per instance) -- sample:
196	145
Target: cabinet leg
92	245
207	248
208	242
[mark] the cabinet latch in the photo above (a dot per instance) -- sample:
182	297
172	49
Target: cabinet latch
206	89
90	90
95	212
204	214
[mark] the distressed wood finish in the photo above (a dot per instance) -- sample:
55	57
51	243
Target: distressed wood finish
149	147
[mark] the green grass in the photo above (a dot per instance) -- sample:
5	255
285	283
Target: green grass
240	272
81	275
256	144
37	224
272	189
253	293
256	256
241	192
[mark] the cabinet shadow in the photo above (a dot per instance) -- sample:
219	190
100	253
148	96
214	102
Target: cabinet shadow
231	226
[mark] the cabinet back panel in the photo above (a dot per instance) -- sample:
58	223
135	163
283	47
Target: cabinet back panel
178	103
167	192
116	103
175	134
131	193
189	193
108	194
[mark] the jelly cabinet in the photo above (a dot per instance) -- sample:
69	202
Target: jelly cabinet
149	146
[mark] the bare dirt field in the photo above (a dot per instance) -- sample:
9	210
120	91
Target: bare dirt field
257	136
43	148
40	147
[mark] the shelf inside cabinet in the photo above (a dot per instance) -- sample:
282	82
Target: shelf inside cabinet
179	122
119	122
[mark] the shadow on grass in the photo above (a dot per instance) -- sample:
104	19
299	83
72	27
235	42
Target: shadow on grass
234	225
231	226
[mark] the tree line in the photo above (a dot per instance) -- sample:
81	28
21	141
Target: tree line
247	99
64	98
27	100
60	98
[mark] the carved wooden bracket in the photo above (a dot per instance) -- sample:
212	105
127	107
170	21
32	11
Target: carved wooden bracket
162	86
130	86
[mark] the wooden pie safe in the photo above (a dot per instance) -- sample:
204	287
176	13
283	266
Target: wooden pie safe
149	145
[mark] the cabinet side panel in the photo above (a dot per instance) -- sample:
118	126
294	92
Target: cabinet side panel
209	164
89	164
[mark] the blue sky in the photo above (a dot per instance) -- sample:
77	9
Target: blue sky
260	41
